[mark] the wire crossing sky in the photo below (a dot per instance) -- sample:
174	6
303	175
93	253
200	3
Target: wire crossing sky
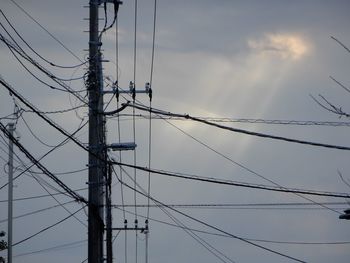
277	69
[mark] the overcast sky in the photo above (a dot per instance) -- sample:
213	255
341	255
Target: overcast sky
234	59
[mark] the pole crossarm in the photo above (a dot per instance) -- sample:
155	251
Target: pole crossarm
142	229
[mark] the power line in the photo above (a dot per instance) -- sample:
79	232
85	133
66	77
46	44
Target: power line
56	200
19	51
248	120
47	153
240	164
134	125
61	130
232	161
153	41
35	136
47	31
65	173
186	116
69	135
45	118
41	167
199	221
250	239
41	196
212	226
59	247
289	205
37	211
48	227
218	254
119	135
279	122
34	51
340	43
235	183
150	106
15	50
60	111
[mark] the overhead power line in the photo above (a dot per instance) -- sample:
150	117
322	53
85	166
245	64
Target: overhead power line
64	173
44	155
46	30
340	43
247	238
34	51
279	189
235	183
58	247
209	225
37	211
38	112
263	135
246	120
76	196
16	49
60	111
41	196
53	124
237	163
289	205
48	227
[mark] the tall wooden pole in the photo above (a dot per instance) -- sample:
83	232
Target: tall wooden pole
109	249
96	141
10	196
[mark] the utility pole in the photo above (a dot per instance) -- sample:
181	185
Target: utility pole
10	195
96	141
108	194
100	171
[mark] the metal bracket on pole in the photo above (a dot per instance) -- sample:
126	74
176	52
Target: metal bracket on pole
126	146
142	229
111	1
136	227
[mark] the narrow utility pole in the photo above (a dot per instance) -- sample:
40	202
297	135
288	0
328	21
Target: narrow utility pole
109	248
10	195
96	141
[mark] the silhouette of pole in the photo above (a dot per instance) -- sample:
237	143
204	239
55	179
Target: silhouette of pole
10	195
96	141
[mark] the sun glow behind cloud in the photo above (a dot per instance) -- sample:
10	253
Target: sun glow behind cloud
250	80
285	46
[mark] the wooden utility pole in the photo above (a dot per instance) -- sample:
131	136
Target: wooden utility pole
108	194
96	141
10	195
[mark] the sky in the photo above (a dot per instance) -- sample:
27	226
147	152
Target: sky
259	60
